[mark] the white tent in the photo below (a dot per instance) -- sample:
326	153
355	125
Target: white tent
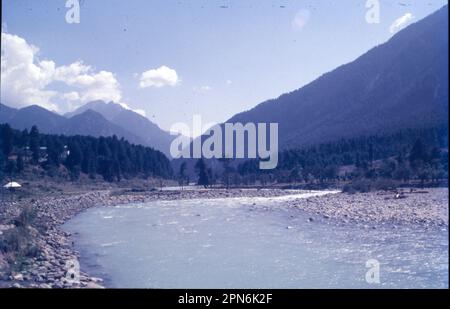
12	184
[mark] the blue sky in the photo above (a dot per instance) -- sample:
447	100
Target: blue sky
227	56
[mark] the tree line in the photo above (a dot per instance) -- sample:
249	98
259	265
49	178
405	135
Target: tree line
420	154
414	154
110	157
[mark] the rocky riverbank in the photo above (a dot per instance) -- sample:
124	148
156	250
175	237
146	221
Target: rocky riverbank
50	255
427	207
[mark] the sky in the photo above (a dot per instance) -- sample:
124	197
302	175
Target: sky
169	60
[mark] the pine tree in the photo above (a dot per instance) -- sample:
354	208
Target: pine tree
19	163
418	154
202	173
182	174
74	159
7	140
34	144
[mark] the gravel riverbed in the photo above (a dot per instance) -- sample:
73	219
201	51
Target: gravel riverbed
427	207
49	267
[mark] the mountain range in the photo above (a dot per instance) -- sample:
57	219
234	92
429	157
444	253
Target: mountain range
400	84
148	132
95	118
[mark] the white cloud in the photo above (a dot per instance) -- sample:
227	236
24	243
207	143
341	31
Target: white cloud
25	79
71	96
401	22
92	86
160	77
301	19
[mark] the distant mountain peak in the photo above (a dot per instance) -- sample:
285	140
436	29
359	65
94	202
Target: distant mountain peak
89	113
28	116
108	110
150	133
96	118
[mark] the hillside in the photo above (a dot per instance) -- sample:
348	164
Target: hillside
400	84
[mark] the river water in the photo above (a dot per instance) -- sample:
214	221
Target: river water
251	243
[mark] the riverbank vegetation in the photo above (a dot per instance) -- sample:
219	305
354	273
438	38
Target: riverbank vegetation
18	243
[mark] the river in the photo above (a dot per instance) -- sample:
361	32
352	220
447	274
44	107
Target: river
250	243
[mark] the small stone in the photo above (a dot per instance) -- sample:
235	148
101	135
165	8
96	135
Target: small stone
96	280
45	286
93	285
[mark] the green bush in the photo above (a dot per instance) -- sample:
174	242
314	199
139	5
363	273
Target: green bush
365	185
348	188
26	217
14	240
18	242
361	185
385	184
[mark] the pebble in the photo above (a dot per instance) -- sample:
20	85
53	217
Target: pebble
93	285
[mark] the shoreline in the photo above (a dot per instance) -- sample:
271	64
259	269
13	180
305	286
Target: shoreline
49	270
